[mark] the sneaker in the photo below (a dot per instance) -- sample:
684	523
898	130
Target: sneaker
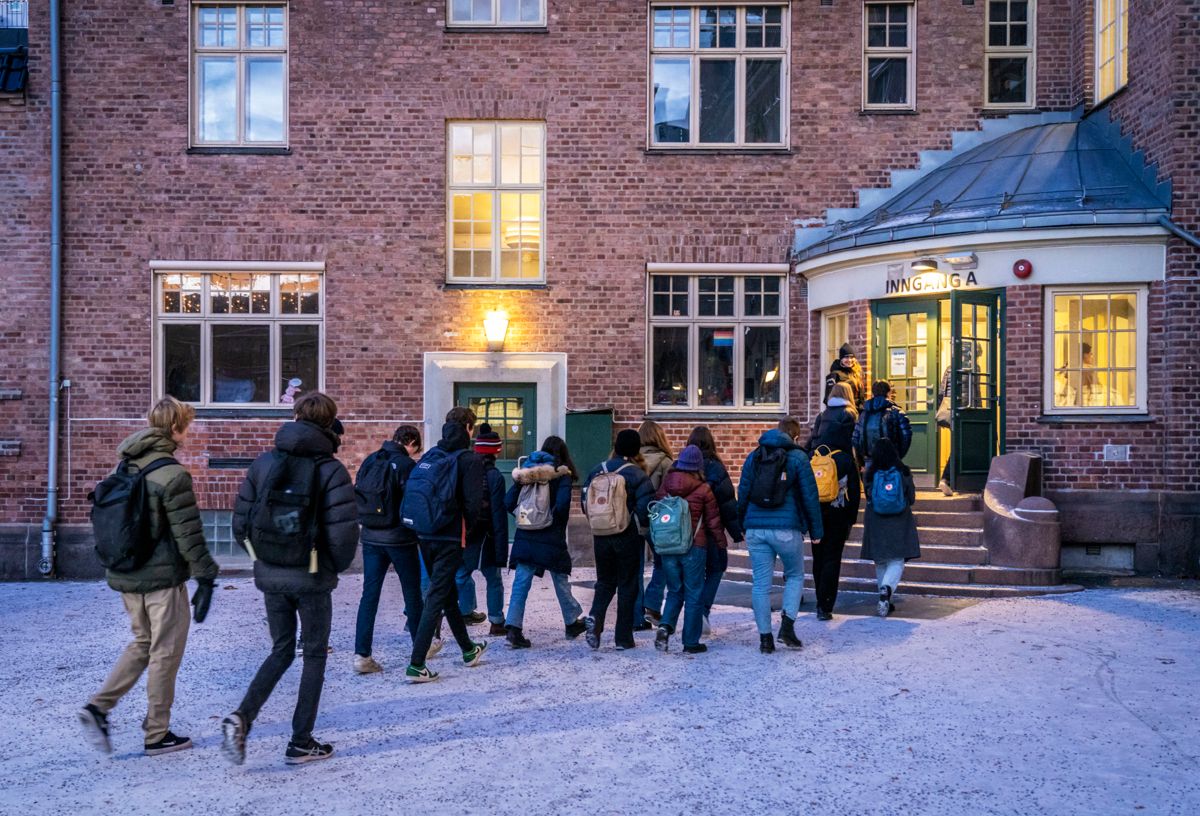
300	752
706	630
475	617
435	646
516	638
365	664
766	643
233	738
593	635
168	745
620	647
497	630
662	638
653	615
945	487
824	615
414	674
695	648
95	727
645	626
471	656
576	629
885	602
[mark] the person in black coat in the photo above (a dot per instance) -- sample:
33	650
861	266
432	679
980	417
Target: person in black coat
487	541
303	592
889	539
717	556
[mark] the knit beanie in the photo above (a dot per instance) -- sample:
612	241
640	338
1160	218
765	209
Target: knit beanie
690	458
487	441
845	351
628	444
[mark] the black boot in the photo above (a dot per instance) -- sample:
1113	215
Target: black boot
516	638
787	633
766	644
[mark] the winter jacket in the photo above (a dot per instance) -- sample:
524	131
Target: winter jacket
852	377
896	426
638	493
174	520
491	530
470	487
657	464
544	549
803	513
833	428
398	536
337	520
889	537
706	514
722	487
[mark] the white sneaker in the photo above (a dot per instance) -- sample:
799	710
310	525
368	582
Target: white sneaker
366	665
706	630
945	487
435	646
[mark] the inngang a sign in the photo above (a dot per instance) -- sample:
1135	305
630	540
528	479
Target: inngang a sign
929	282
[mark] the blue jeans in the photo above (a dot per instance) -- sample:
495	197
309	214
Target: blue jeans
685	583
466	584
376	561
715	564
653	597
570	608
764	546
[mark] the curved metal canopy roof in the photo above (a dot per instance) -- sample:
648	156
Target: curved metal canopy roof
1052	175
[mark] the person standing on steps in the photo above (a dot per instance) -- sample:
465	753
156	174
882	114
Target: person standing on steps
154	591
487	543
845	369
540	499
889	528
833	431
777	504
297	517
656	460
716	558
615	497
881	418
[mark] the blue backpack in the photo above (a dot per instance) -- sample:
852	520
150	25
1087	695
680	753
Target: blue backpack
887	492
671	530
430	500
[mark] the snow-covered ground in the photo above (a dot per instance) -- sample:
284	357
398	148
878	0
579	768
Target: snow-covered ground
1074	704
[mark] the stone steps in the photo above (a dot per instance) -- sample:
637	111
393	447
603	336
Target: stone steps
908	586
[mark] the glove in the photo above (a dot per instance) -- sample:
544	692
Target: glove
202	599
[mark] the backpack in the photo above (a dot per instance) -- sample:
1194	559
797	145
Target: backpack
825	473
430	500
378	489
607	506
283	522
770	485
887	492
671	530
120	520
873	429
534	510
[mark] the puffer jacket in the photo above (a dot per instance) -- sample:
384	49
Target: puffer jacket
706	514
544	549
893	423
491	530
722	487
398	536
833	428
657	464
638	493
337	519
174	520
803	513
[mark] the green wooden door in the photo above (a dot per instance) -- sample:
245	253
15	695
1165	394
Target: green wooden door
975	386
511	410
906	343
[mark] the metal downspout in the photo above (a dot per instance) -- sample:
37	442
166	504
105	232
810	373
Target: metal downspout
1166	222
46	563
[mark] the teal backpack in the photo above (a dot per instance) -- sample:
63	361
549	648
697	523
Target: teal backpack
887	492
671	530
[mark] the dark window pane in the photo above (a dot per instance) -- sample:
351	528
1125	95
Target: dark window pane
716	296
763	103
717	96
761	372
672	100
774	14
774	36
1019	11
181	362
997	11
300	358
754	15
716	367
1007	80
898	13
898	36
998	35
1017	34
754	37
887	81
877	36
669	375
241	363
876	13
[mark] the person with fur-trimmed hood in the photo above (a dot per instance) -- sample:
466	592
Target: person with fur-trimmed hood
536	552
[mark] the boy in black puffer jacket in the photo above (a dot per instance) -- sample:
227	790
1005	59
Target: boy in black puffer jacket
487	543
292	592
881	419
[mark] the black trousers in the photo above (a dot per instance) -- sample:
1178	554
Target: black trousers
442	559
315	611
827	556
618	572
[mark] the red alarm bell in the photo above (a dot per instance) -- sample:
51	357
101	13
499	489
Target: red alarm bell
1022	269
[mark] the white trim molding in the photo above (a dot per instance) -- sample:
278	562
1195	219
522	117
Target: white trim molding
718	268
237	266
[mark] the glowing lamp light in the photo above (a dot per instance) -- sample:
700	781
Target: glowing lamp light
925	265
771	375
495	329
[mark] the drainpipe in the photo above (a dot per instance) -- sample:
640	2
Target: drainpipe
46	563
1169	225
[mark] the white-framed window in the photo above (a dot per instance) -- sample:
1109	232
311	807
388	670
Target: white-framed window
496	202
497	13
238	338
889	56
1112	47
239	74
717	341
718	75
1010	61
1095	350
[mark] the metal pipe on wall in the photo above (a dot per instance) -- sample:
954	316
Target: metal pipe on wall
46	562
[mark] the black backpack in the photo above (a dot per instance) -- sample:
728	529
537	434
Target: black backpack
378	490
430	501
283	522
874	428
769	488
120	520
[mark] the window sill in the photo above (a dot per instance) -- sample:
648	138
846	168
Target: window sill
239	151
775	150
1005	110
516	286
888	112
716	416
265	412
491	29
1101	103
1096	419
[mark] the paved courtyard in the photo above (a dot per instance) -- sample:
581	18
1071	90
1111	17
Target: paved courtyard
1083	704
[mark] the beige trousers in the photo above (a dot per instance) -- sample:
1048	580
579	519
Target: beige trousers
160	621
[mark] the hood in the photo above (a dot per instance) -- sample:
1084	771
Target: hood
836	402
837	366
539	473
877	404
305	439
681	482
454	437
776	438
147	440
394	448
652	456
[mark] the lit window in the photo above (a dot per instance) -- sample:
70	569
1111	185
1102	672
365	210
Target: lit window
499	13
718	75
717	341
1112	51
239	75
1009	56
889	67
239	338
1097	350
496	207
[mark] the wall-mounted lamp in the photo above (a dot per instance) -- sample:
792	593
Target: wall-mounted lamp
925	265
962	260
495	328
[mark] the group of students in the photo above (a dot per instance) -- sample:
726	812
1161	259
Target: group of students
438	518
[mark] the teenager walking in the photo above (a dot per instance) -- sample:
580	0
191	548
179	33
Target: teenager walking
881	418
296	514
777	504
154	591
487	543
889	528
656	458
540	499
833	434
716	557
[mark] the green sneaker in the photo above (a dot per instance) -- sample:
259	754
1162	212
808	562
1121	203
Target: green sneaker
420	674
471	656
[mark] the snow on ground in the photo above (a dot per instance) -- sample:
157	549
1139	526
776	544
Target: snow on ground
1073	704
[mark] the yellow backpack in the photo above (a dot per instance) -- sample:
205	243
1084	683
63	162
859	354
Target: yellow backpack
825	472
